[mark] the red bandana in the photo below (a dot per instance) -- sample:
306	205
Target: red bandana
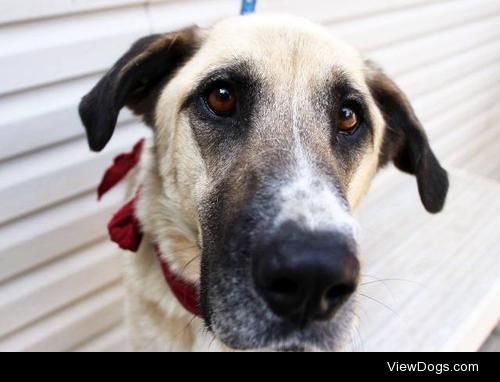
125	230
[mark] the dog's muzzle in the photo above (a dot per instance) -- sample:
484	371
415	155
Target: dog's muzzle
280	268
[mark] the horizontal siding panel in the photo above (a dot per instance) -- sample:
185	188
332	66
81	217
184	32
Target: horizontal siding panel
65	48
22	10
459	149
444	72
112	341
56	119
72	325
34	295
87	53
450	130
86	44
481	163
477	153
47	235
412	54
176	15
431	105
451	124
46	123
64	32
81	59
398	26
320	10
90	52
60	173
328	11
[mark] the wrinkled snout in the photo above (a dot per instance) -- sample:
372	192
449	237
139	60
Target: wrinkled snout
305	276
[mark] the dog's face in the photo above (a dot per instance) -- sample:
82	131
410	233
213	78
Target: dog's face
268	132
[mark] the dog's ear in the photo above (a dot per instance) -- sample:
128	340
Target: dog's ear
405	142
135	81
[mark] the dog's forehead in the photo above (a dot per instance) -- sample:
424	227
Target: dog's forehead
279	46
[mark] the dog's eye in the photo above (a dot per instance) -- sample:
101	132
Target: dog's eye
348	119
221	100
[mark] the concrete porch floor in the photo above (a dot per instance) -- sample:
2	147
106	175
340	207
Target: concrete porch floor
431	283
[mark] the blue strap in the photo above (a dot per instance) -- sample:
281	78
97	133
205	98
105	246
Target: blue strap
248	6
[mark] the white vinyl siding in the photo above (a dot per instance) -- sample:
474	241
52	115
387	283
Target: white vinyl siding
59	275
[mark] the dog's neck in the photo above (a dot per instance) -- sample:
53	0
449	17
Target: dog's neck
164	220
164	224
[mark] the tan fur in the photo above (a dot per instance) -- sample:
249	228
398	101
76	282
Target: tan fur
174	176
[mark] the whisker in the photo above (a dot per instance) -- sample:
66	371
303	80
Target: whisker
190	322
184	249
381	303
356	328
211	342
185	328
392	280
191	262
385	286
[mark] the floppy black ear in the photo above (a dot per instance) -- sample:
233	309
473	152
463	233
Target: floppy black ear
134	81
405	141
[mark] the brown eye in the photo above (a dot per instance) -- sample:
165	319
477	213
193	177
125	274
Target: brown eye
221	100
348	119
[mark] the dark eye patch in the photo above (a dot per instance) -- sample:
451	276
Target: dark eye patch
241	81
346	145
220	133
341	95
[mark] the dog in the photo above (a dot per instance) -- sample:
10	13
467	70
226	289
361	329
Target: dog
267	132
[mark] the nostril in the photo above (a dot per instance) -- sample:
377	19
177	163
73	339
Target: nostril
283	287
339	291
332	299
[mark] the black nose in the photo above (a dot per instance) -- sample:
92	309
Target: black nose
306	276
